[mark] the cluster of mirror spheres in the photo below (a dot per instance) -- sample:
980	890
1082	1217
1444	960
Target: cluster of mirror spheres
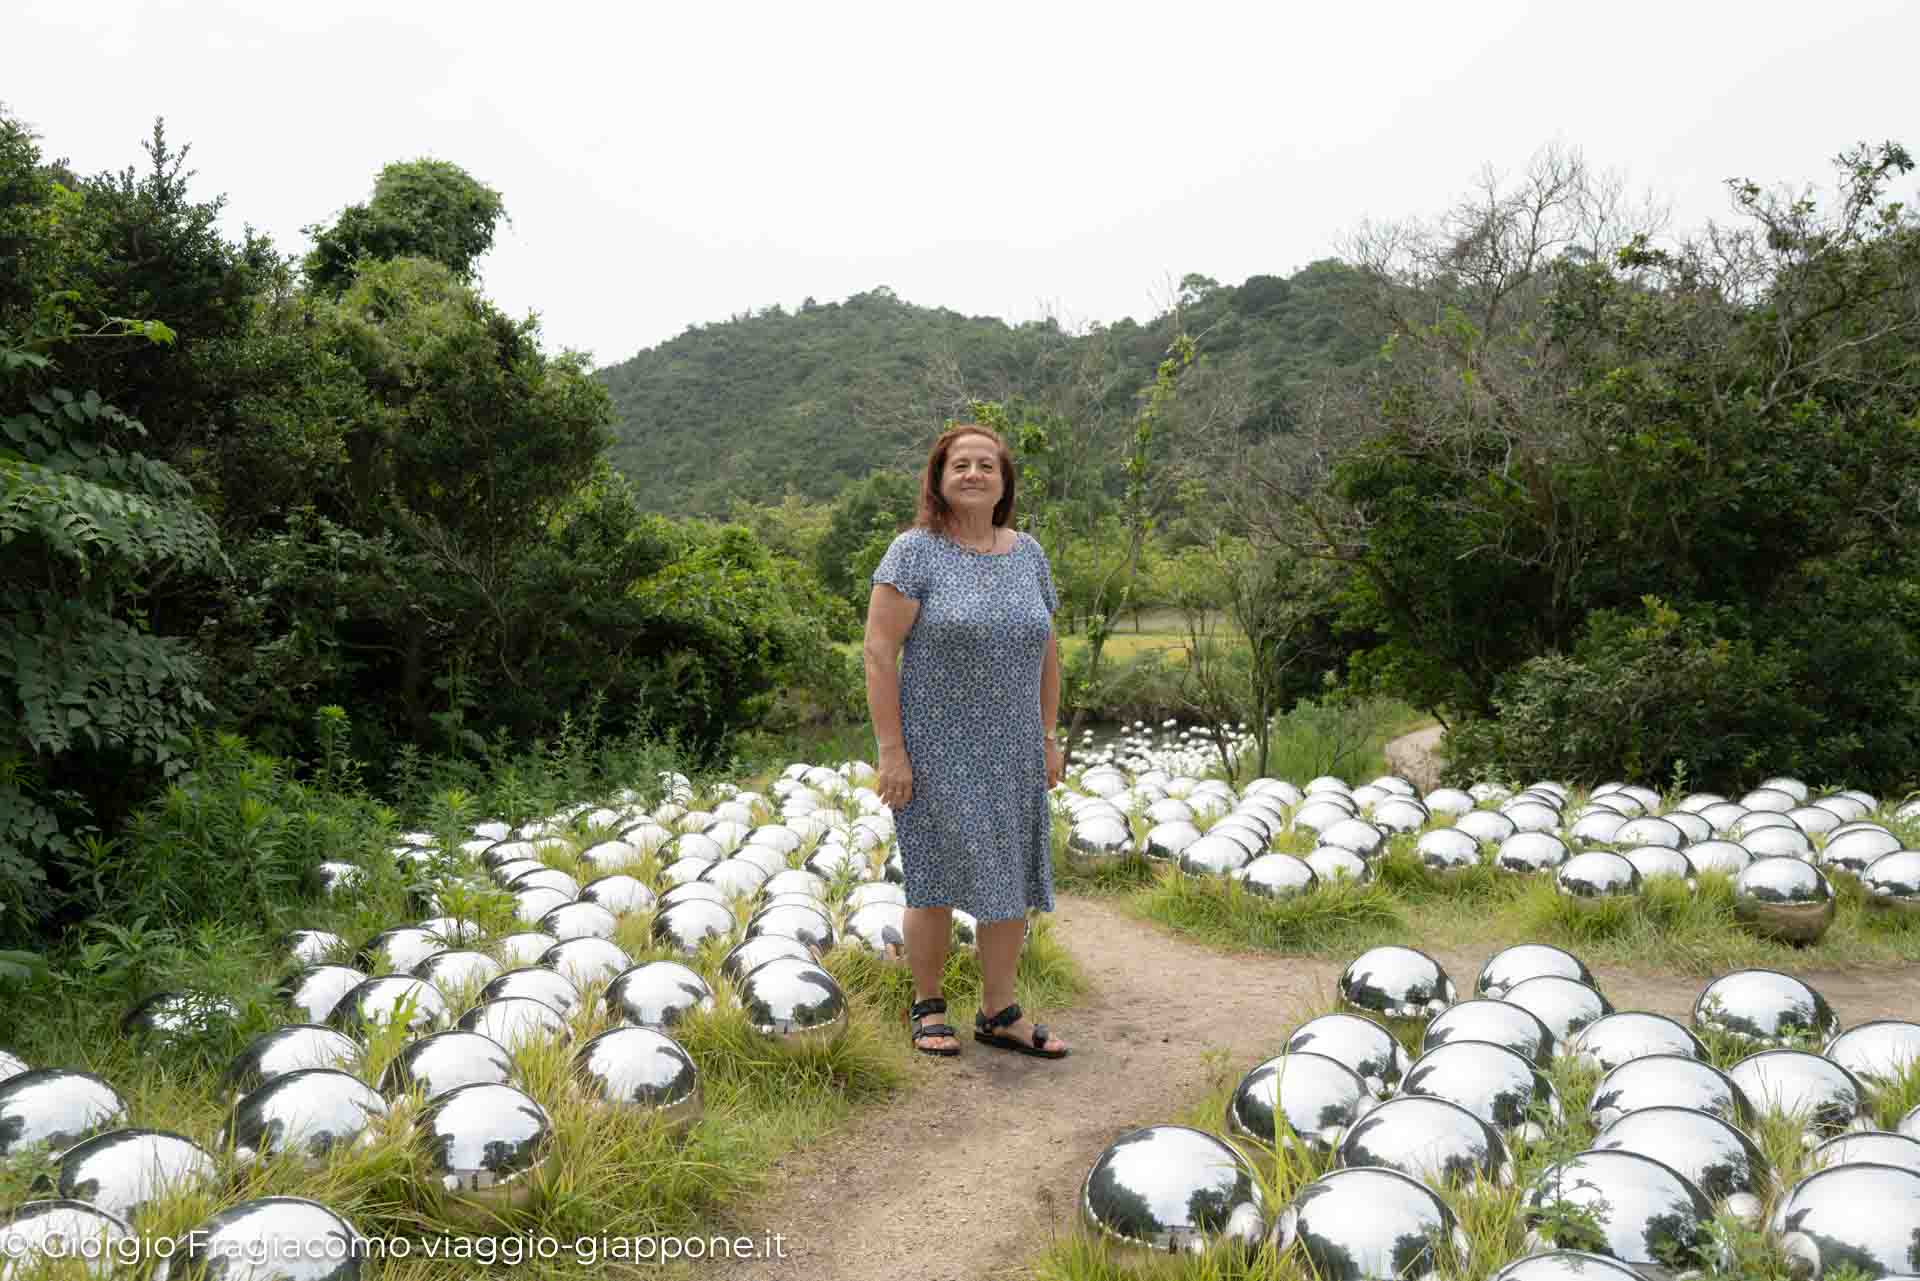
1673	1146
809	867
1781	846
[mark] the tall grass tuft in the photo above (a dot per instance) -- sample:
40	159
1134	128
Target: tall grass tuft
1331	919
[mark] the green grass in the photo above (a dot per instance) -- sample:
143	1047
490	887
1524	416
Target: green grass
1665	928
762	1099
1493	1217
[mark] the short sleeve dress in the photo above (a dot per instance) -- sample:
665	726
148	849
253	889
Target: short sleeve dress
977	834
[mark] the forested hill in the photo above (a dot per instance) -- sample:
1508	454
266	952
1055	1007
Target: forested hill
807	400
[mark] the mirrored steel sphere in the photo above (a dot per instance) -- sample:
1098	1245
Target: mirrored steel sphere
642	1067
1668	1080
1214	856
1364	1046
797	880
579	920
1497	1085
165	1016
1396	983
1641	1211
1169	1189
287	1238
1633	1034
1892	881
446	1061
682	870
1785	899
658	994
1772	799
1331	863
1866	1216
1765	1008
308	1114
487	1149
745	956
516	1021
1656	861
54	1108
11	1065
1523	961
386	998
1725	857
124	1171
1100	836
1716	1157
1875	1147
85	1239
875	892
736	877
1596	877
312	994
1779	840
794	1003
1498	1022
314	947
1368	1222
1597	829
586	961
1278	876
1449	800
289	1049
1824	1096
880	928
1489	827
1693	828
333	879
1400	814
1881	1051
685	926
1567	1265
398	950
543	983
1531	816
1447	849
1429	1139
1723	816
1303	1097
1565	1005
1355	834
1650	831
1530	852
807	924
544	877
452	970
1752	821
1167	840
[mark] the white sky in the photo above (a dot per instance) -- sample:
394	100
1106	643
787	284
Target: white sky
672	164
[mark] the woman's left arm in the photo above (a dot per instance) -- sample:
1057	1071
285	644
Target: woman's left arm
1050	709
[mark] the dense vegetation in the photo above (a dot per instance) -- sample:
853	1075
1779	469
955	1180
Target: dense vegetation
240	493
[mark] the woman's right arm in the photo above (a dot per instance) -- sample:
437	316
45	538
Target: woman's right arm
890	616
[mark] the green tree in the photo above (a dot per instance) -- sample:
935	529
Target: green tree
419	209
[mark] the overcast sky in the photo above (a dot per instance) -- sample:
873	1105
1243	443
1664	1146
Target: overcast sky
672	164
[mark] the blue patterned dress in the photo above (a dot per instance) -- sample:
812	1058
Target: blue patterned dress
977	834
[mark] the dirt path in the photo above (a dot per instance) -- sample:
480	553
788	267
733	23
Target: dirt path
1412	757
969	1174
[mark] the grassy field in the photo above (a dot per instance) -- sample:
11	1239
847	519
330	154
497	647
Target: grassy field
763	1097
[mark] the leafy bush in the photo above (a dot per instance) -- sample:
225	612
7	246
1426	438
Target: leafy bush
1704	690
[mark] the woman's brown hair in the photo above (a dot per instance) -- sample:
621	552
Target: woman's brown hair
934	512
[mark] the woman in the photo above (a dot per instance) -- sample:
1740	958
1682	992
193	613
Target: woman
963	683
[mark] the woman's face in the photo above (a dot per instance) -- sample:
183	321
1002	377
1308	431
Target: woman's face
971	481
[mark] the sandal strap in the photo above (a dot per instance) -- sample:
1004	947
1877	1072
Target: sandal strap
1005	1018
932	1029
931	1005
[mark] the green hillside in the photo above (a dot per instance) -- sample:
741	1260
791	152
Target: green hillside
804	401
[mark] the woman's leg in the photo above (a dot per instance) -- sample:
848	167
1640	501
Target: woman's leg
999	943
929	932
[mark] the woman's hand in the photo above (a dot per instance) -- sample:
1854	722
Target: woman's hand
896	777
1056	763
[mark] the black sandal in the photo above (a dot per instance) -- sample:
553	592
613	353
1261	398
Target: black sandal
920	1010
986	1031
